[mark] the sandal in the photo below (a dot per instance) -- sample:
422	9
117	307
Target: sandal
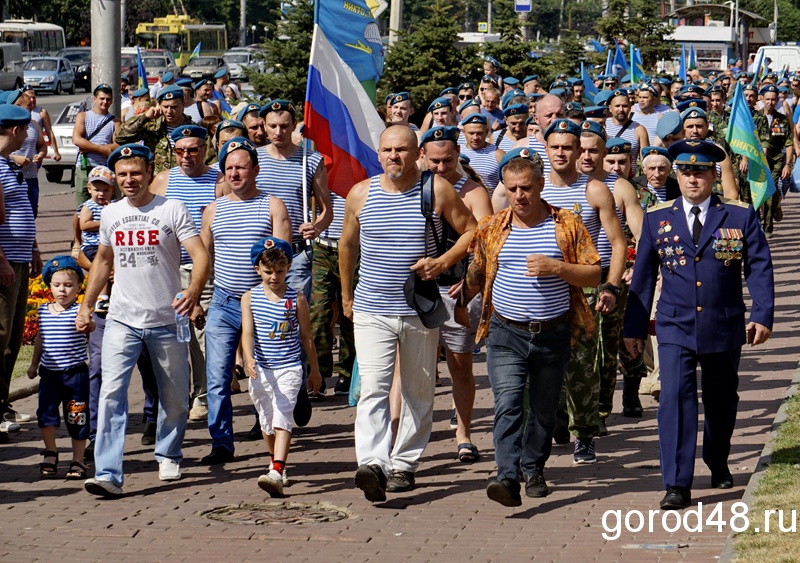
468	453
77	470
47	469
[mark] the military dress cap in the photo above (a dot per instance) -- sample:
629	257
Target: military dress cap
562	125
489	79
186	131
101	174
695	153
102	87
140	93
13	95
439	103
220	73
467	86
398	97
166	77
270	243
603	97
647	151
440	133
493	61
516	109
668	124
511	81
596	111
521	152
14	116
768	88
276	105
691	103
185	83
131	150
249	108
618	145
573	106
529	78
236	144
468	103
170	92
594	127
475	118
57	263
449	92
694	113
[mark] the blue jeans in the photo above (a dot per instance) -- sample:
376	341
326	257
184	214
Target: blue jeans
515	356
33	195
299	275
223	331
122	346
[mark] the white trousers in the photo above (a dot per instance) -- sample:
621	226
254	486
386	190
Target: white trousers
274	394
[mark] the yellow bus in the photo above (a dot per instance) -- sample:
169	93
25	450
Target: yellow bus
180	35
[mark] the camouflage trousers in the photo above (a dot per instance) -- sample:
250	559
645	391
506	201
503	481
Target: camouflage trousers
772	204
326	291
610	329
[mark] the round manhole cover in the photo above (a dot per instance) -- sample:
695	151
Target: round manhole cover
277	513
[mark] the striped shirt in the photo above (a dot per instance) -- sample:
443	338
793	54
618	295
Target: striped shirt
649	121
334	230
19	231
522	298
629	135
460	184
535	145
104	137
506	143
196	192
573	198
392	240
237	226
484	162
28	150
91	239
661	193
63	347
277	331
603	244
283	178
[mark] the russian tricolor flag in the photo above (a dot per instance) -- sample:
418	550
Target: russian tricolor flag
340	118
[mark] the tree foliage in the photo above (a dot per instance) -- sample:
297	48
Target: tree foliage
638	21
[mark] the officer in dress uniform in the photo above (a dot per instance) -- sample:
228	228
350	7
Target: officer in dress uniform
701	243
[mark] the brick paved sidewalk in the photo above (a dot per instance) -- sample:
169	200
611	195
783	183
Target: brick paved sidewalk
448	518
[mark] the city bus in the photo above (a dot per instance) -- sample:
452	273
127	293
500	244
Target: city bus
180	35
33	37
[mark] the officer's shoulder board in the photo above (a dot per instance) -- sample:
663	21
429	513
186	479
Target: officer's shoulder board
736	202
659	206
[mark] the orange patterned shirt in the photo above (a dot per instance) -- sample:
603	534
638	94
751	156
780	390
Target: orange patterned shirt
573	240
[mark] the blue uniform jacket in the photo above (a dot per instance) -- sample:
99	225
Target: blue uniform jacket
701	305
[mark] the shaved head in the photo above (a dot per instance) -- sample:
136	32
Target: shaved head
397	131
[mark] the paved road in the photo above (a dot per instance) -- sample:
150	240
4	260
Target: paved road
448	518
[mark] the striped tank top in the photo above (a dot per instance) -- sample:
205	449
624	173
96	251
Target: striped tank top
63	346
506	143
603	244
334	230
629	135
197	193
28	150
283	178
19	230
91	239
535	145
460	184
649	121
522	298
104	137
392	240
661	193
573	198
277	331
237	226
484	162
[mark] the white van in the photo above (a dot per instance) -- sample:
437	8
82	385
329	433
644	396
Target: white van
11	75
781	56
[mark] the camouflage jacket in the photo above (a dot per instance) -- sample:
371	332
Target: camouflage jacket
776	137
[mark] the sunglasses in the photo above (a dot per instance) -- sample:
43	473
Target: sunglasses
191	151
465	96
17	169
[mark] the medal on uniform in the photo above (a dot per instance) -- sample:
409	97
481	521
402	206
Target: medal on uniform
676	238
682	261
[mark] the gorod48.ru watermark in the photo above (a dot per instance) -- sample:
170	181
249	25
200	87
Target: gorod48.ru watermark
704	517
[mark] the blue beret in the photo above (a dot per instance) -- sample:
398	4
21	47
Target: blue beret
648	88
268	243
516	109
573	106
487	78
27	88
594	127
399	97
559	84
618	93
203	82
696	153
170	92
668	124
510	94
596	111
610	78
531	120
440	133
185	131
510	80
691	89
558	92
530	78
277	105
731	61
130	150
61	262
664	81
764	90
575	81
387	98
103	87
140	92
14	116
521	152
713	89
3	96
647	151
449	91
626	78
772	76
220	73
13	95
784	89
229	124
475	118
618	145
603	97
561	76
691	103
562	125
467	86
493	61
467	104
185	83
166	77
749	88
535	95
439	103
677	80
234	144
247	109
463	159
694	113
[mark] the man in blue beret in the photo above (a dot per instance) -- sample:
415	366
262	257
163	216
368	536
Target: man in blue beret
250	117
401	108
701	245
598	114
140	240
531	84
779	148
221	80
200	104
163	81
483	156
466	91
515	129
442	112
510	83
548	108
490	107
620	124
230	227
648	109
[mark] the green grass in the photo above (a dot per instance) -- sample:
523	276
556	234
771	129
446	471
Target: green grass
23	362
778	489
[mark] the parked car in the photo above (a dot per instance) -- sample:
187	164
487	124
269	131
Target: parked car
204	67
11	63
240	58
49	74
155	66
27	55
129	68
62	130
81	60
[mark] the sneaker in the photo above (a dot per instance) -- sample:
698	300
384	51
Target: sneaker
285	478
218	456
342	386
400	481
8	426
454	420
149	434
13	416
102	488
169	470
318	395
535	485
603	428
584	451
272	482
198	412
371	480
504	491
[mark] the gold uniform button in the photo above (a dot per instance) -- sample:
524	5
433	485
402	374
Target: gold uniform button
696	258
699	309
699	284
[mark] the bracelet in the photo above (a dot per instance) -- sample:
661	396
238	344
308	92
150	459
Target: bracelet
611	288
